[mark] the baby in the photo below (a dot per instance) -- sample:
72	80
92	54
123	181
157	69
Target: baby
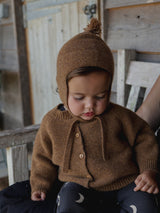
104	153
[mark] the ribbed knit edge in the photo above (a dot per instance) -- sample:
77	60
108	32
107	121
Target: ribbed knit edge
148	165
118	184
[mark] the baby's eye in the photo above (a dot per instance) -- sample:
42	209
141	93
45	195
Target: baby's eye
99	97
78	98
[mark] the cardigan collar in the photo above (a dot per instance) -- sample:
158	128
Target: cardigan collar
74	120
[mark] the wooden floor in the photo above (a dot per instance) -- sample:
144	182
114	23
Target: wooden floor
3	183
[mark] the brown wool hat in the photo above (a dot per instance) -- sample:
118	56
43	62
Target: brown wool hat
83	50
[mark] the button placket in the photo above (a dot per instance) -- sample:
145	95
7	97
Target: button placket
81	155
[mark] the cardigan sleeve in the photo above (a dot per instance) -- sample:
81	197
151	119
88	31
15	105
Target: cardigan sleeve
146	149
43	171
142	140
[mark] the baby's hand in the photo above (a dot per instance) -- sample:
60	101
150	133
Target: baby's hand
146	182
38	196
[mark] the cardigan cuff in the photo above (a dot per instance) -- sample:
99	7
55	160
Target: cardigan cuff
148	165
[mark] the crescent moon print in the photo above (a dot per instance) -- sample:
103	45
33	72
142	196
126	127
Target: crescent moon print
134	208
81	198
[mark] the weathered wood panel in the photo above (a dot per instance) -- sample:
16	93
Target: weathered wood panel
42	48
134	28
16	144
140	76
7	37
46	35
140	56
34	5
10	19
10	100
124	58
133	97
23	64
9	60
10	106
143	74
17	164
8	45
124	3
11	138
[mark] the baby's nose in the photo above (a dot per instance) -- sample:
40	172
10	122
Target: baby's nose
90	103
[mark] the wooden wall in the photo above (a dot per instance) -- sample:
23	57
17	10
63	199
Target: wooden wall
11	108
13	68
48	27
132	24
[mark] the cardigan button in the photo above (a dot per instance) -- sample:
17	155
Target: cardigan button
77	135
81	156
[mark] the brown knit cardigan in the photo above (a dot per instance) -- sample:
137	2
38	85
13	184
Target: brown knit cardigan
106	153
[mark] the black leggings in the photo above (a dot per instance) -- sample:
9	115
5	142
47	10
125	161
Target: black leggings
77	199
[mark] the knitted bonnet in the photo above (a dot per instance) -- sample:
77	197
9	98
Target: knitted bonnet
86	49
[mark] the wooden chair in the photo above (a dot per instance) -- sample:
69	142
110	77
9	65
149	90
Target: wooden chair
134	79
3	157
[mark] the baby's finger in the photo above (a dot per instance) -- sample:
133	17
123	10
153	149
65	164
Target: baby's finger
43	196
138	179
36	196
156	190
151	189
139	186
145	188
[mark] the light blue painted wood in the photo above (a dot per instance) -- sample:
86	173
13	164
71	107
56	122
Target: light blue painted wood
31	15
47	3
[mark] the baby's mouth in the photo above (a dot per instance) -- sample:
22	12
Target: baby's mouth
89	114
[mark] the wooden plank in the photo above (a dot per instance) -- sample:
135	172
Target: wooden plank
148	57
47	3
17	162
66	23
124	57
133	98
10	121
20	136
73	15
9	60
82	18
41	13
42	34
102	18
7	35
23	64
130	28
59	31
125	3
143	73
114	83
10	19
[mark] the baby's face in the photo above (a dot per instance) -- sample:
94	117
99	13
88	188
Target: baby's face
88	95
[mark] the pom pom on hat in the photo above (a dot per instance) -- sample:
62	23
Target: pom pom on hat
94	27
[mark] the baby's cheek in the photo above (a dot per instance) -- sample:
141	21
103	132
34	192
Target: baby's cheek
101	106
76	108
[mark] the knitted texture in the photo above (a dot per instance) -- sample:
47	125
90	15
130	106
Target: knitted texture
83	50
105	154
